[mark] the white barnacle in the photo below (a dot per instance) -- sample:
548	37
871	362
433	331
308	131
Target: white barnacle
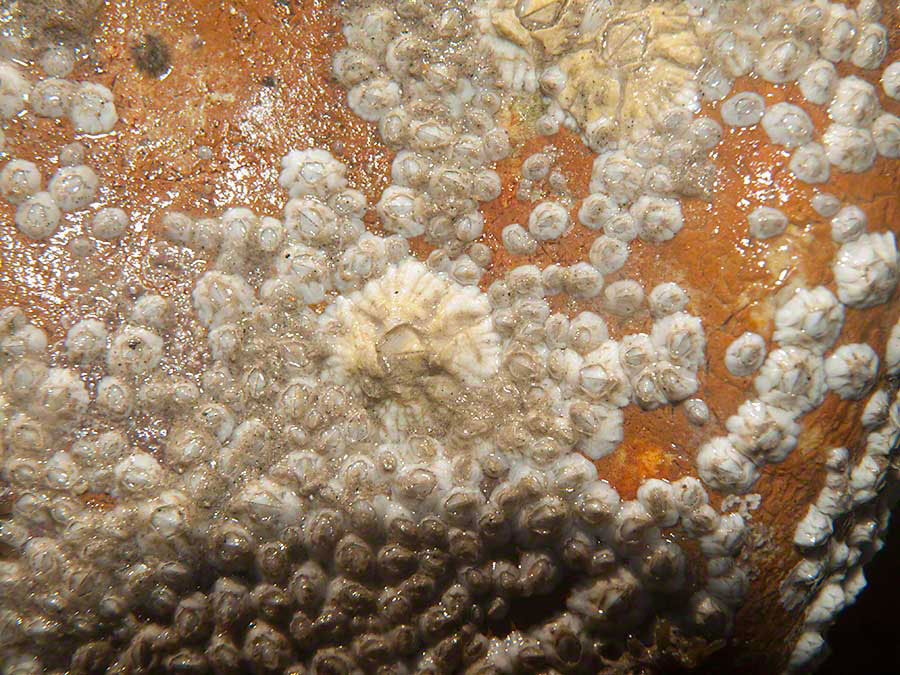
601	428
679	337
133	351
818	82
850	149
886	132
867	270
92	109
372	99
810	164
825	204
871	47
765	222
138	474
314	172
73	187
787	125
811	319
617	175
602	378
221	298
851	370
848	224
667	298
792	378
596	210
890	80
839	33
86	340
783	61
50	97
745	354
38	216
402	211
583	280
624	297
410	319
723	468
855	102
19	180
658	218
892	351
548	221
608	255
813	530
14	90
762	432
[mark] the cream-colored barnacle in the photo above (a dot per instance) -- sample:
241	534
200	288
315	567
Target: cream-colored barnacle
810	318
408	323
792	378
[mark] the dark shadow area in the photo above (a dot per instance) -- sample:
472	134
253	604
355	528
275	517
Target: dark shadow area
866	637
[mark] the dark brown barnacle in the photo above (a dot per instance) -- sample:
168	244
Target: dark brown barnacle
396	562
331	626
476	648
434	562
147	647
465	546
302	629
186	662
161	602
539	573
433	531
295	669
576	553
273	562
448	653
420	589
266	649
476	579
333	662
233	547
352	597
395	606
405	640
292	538
495	526
223	656
92	657
545	519
363	519
497	609
176	575
372	650
271	602
507	579
192	619
354	558
530	657
229	600
323	532
308	585
435	623
404	531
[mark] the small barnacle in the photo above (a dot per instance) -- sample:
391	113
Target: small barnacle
548	221
851	370
745	354
744	109
92	109
813	530
596	210
608	255
723	468
658	218
762	432
855	103
871	47
679	337
583	280
809	164
51	97
792	378
222	298
848	224
38	216
658	498
850	149
19	180
886	133
890	80
624	297
867	270
818	82
14	90
766	222
782	61
788	125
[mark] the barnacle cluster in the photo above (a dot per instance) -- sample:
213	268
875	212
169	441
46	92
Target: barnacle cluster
334	457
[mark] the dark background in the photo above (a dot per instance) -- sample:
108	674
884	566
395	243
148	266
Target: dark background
866	638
